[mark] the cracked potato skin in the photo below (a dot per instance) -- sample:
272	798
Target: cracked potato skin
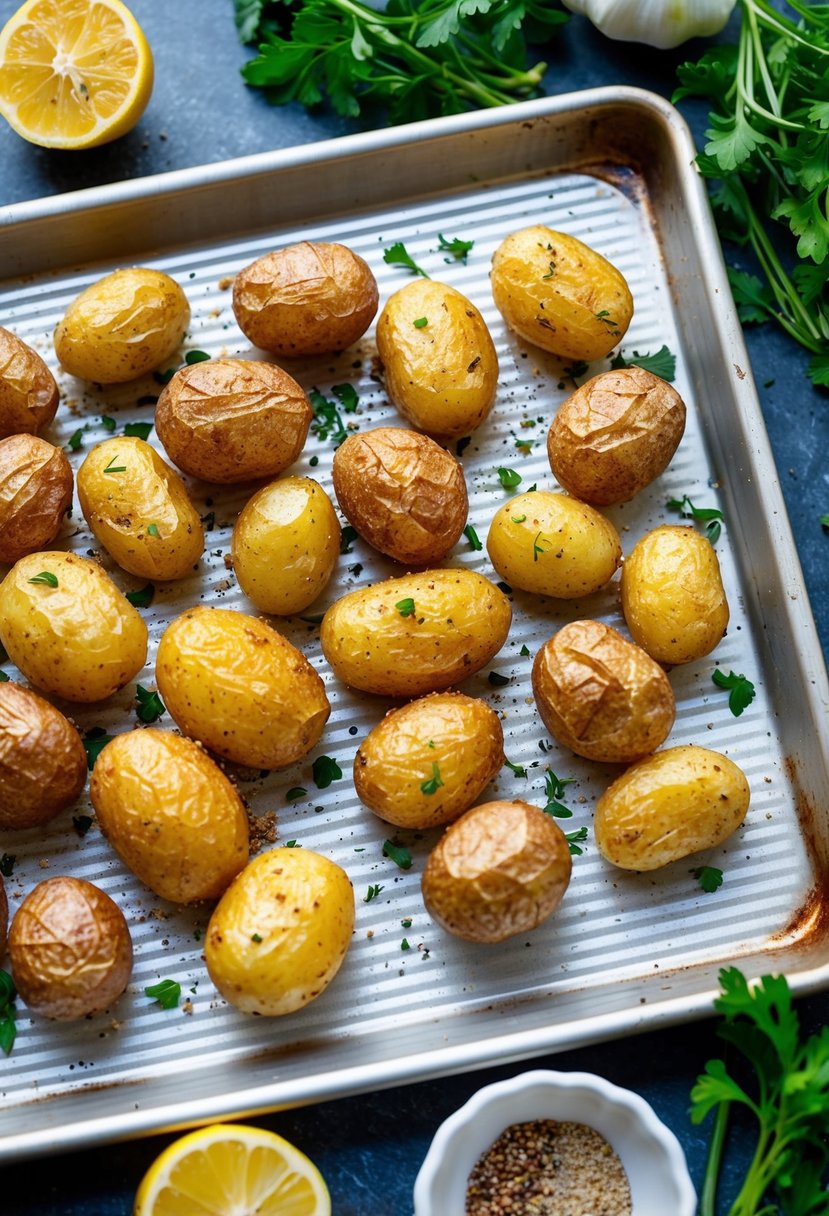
499	870
36	485
461	735
560	294
600	695
240	688
460	621
70	949
171	814
281	931
121	507
312	298
404	493
232	420
28	391
43	763
670	805
441	376
615	435
124	325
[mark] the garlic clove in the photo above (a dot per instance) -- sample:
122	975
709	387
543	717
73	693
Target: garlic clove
659	23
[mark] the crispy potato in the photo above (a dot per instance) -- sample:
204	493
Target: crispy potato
441	375
551	544
42	759
36	485
171	814
279	934
70	949
312	298
404	493
139	510
68	628
122	326
560	294
231	420
669	805
615	435
501	869
285	545
426	763
600	695
4	917
416	634
239	687
28	390
672	595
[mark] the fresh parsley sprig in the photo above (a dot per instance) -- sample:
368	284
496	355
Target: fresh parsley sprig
662	363
710	516
741	691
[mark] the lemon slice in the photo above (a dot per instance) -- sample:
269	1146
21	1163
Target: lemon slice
232	1170
73	73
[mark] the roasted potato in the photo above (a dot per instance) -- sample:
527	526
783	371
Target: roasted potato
600	695
42	759
68	628
139	510
279	934
285	545
551	544
669	805
312	298
122	326
439	362
231	420
240	688
416	634
560	294
425	763
4	917
672	595
501	869
70	949
28	390
171	814
615	435
35	493
404	493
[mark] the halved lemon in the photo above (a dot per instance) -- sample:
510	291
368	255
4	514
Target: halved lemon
73	73
232	1170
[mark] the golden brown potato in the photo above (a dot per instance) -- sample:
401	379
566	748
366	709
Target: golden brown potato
552	544
501	869
171	814
28	390
669	805
231	420
560	294
4	917
35	493
279	934
68	628
122	326
439	361
42	759
615	435
426	763
312	298
285	545
239	687
672	595
70	949
404	493
420	633
139	510
600	695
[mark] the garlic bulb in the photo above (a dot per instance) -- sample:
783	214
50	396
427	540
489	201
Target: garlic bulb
661	23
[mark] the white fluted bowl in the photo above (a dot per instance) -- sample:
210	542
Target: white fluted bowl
651	1154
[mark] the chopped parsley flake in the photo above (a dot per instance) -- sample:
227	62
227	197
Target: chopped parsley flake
433	783
709	878
325	770
741	692
149	705
373	891
472	536
397	255
508	478
143	597
454	246
45	579
406	607
397	853
167	993
420	322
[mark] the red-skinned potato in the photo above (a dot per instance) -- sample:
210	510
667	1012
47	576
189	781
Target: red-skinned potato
42	759
36	485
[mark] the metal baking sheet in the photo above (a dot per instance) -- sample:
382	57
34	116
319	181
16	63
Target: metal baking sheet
624	952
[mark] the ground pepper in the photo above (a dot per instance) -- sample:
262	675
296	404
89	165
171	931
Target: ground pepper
547	1168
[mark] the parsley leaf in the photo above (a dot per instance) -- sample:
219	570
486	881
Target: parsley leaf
406	607
710	516
94	742
455	247
140	430
347	396
347	537
143	597
517	769
740	690
325	770
662	363
45	578
709	878
473	538
8	1012
166	993
149	705
398	255
508	478
296	791
554	788
372	892
575	839
433	783
397	853
327	422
